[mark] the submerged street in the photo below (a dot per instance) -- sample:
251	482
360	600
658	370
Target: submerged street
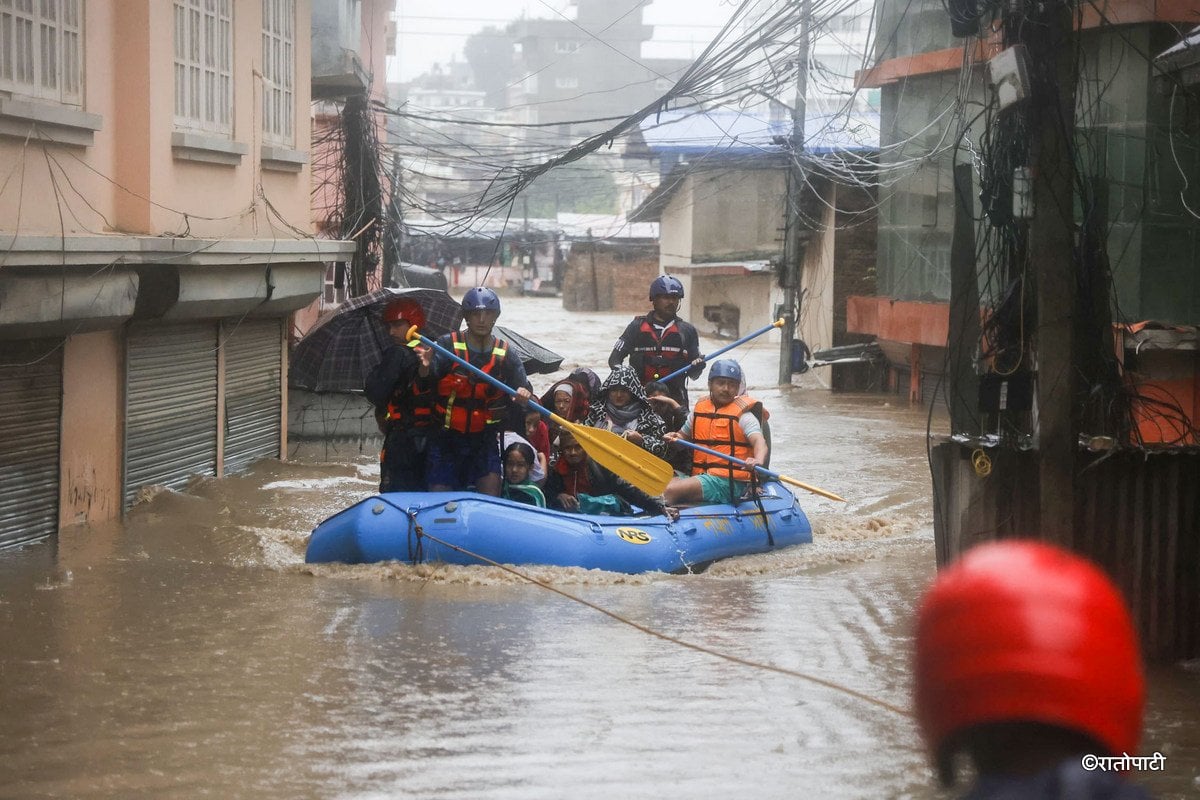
189	651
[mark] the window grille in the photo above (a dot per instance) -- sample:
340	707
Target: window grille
279	69
204	65
41	45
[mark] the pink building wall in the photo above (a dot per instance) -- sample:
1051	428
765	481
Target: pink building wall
131	180
130	175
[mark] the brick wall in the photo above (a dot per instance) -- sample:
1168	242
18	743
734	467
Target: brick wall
622	276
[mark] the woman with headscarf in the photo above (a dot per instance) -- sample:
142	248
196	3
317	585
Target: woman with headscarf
568	399
621	407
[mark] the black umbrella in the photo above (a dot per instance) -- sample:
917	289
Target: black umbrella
337	355
537	359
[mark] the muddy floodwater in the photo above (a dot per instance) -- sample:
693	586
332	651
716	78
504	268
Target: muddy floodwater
189	652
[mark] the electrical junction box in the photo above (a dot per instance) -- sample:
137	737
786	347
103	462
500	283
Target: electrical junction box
1009	75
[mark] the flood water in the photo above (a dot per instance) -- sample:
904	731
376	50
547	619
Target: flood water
188	651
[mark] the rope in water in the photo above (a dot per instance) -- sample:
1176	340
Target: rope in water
699	648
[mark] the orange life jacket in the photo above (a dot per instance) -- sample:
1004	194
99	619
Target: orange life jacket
718	429
465	403
658	356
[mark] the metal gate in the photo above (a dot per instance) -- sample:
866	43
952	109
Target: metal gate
30	409
170	405
253	353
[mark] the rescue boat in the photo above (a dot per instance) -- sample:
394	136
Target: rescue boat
469	529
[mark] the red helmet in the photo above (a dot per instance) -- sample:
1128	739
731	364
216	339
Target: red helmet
404	309
1023	631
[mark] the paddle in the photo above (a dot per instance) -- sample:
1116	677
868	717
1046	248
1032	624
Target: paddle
761	470
776	324
620	456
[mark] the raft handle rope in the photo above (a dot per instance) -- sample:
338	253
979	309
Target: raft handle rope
699	648
415	553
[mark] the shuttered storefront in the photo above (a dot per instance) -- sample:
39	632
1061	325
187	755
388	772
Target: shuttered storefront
252	392
30	407
170	405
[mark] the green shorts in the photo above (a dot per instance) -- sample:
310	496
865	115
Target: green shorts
717	489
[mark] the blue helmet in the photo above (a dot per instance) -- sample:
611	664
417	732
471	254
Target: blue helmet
666	284
480	298
726	368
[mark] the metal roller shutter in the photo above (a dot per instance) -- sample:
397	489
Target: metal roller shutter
252	392
30	408
170	405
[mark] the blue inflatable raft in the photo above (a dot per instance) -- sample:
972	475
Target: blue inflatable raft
449	527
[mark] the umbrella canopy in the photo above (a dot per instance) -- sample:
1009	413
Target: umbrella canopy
337	355
537	359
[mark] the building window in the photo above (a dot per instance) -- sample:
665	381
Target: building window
566	83
41	49
279	69
566	47
204	65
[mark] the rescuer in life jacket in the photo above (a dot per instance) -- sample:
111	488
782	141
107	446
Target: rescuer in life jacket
1027	664
468	411
728	421
660	343
403	401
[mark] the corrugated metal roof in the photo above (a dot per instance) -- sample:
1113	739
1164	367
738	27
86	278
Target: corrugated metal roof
734	132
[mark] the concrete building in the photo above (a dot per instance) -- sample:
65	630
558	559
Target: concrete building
587	69
721	211
156	235
839	47
351	42
1073	380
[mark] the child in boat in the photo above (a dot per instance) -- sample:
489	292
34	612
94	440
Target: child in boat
675	416
538	435
577	483
621	407
728	421
518	485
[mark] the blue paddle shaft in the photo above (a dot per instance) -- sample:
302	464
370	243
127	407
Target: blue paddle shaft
511	392
727	457
725	349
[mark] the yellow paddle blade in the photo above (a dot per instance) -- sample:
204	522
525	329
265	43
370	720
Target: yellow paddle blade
622	457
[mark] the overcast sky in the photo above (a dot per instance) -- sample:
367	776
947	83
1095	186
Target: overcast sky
431	31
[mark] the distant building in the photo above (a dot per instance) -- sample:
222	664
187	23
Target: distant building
578	73
839	47
722	215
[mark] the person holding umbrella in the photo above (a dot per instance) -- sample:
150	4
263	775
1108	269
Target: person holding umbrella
403	401
469	411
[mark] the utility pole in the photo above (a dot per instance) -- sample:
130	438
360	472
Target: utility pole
1047	35
793	252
